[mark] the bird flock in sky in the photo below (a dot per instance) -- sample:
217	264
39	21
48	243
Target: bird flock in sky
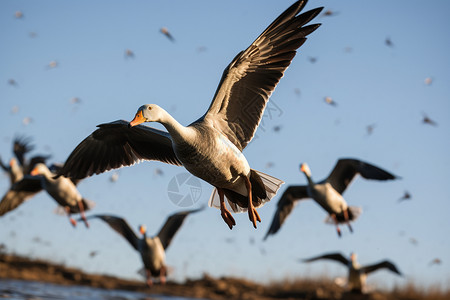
209	148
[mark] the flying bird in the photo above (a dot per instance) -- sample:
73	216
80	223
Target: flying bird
428	120
330	101
406	196
62	190
357	274
327	193
166	32
211	147
389	42
129	53
152	249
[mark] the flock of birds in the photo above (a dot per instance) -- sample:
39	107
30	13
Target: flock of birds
209	148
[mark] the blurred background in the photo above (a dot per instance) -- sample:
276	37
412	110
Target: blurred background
67	67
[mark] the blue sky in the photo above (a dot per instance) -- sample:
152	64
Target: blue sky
371	82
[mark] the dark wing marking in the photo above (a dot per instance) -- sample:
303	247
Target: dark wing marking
173	223
285	205
122	227
383	264
346	169
333	256
19	193
20	147
114	145
249	80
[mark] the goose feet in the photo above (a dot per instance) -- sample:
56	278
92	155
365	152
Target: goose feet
338	230
252	213
224	212
347	219
81	207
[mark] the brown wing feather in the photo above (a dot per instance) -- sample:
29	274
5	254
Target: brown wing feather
114	145
285	205
252	76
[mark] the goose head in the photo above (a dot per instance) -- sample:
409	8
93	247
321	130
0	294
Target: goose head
305	169
12	162
147	113
143	229
40	169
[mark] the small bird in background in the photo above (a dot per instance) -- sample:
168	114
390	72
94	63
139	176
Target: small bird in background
297	92
114	177
18	14
427	120
388	42
312	59
428	81
12	82
53	64
406	196
75	100
129	53
357	274
370	128
330	101
436	261
413	241
166	32
329	13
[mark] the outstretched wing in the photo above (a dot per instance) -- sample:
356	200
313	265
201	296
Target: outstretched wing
383	264
114	145
19	193
173	223
250	79
285	205
121	226
346	169
333	256
20	147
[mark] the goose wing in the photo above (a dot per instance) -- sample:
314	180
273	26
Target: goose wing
19	193
333	256
20	147
383	264
173	223
252	76
114	145
285	205
121	226
346	169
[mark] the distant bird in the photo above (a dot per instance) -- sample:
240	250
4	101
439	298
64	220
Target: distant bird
413	241
427	120
329	13
32	34
389	42
406	196
152	249
53	64
18	14
436	261
297	92
166	32
312	59
92	254
277	128
27	120
328	192
12	82
129	53
75	100
330	101
357	275
211	147
370	128
159	172
62	190
201	49
15	109
114	177
428	81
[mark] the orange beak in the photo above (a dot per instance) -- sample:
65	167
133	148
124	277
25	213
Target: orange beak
11	162
34	172
142	229
138	119
302	168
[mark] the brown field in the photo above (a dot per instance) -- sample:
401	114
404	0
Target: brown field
16	267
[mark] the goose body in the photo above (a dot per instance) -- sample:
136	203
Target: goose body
357	275
328	192
211	147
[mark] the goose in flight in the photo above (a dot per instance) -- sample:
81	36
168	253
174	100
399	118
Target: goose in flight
211	147
328	192
357	274
152	249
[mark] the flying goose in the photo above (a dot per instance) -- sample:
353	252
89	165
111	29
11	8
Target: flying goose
211	147
357	274
61	189
152	249
328	192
